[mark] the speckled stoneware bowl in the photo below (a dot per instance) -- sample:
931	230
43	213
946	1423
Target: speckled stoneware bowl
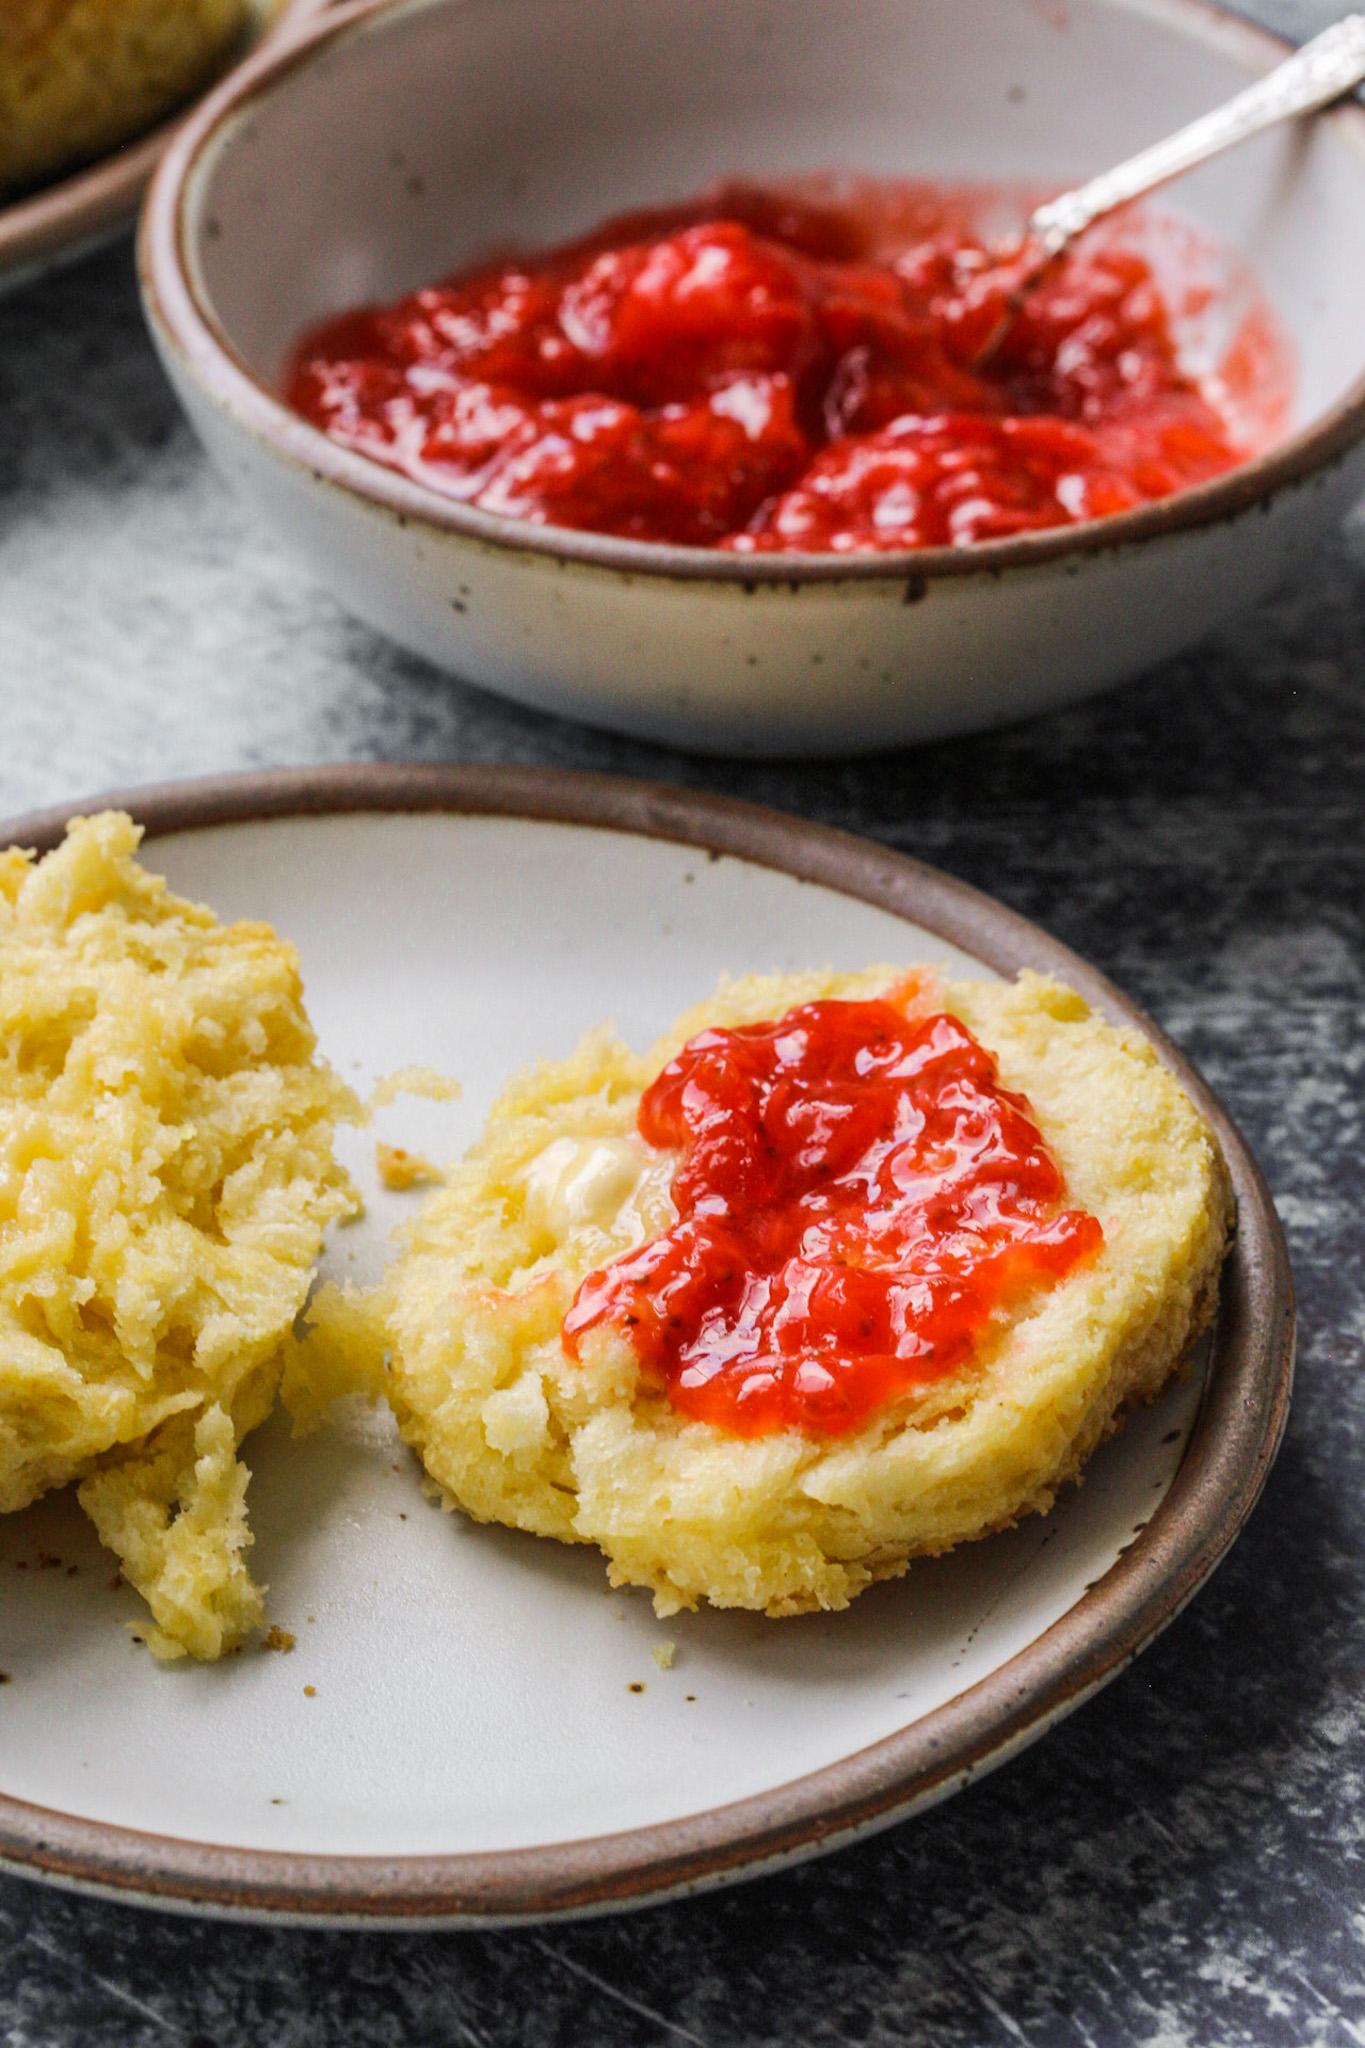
400	140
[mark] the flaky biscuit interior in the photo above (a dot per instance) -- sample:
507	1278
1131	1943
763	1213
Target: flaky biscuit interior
166	1175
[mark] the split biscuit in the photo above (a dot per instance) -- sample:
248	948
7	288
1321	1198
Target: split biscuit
166	1174
463	1336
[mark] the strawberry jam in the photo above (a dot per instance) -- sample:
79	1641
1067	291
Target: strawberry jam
857	1198
760	372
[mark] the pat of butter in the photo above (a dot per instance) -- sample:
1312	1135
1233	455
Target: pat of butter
608	1184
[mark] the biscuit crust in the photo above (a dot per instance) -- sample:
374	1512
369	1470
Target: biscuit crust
78	77
166	1174
513	1431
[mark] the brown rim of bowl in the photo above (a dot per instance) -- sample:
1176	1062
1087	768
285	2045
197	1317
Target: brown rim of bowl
1230	1451
87	205
189	329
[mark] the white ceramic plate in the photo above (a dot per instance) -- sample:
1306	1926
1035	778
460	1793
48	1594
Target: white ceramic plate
487	1734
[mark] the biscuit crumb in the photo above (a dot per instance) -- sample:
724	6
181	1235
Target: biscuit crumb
636	1685
310	1692
427	1082
663	1655
277	1638
399	1169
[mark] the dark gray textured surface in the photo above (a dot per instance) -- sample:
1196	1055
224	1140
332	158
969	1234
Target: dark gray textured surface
1180	1863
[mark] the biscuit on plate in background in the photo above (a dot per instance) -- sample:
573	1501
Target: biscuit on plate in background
80	77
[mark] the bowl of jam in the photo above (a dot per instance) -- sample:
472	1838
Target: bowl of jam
631	362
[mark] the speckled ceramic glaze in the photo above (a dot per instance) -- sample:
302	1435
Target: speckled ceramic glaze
402	139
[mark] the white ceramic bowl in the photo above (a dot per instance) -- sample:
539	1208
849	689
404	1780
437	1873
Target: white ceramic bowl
399	140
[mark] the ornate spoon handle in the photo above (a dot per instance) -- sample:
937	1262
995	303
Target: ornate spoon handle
1322	71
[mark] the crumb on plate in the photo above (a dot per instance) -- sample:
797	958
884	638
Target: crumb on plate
428	1082
400	1169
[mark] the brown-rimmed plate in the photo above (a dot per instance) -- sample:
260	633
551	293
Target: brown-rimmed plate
470	1729
60	221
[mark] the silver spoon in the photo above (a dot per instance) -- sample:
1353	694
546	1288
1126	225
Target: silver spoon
1320	72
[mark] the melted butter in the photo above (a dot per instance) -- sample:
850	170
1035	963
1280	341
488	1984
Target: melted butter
618	1186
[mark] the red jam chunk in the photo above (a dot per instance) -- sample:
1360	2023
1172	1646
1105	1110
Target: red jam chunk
857	1197
759	372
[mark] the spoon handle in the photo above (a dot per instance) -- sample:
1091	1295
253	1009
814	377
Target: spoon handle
1322	70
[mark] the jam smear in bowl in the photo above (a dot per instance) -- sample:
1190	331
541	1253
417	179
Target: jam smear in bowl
763	371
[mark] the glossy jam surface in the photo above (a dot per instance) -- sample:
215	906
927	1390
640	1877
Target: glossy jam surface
760	372
856	1197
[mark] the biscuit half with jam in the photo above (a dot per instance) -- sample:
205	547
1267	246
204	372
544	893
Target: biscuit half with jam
847	1270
